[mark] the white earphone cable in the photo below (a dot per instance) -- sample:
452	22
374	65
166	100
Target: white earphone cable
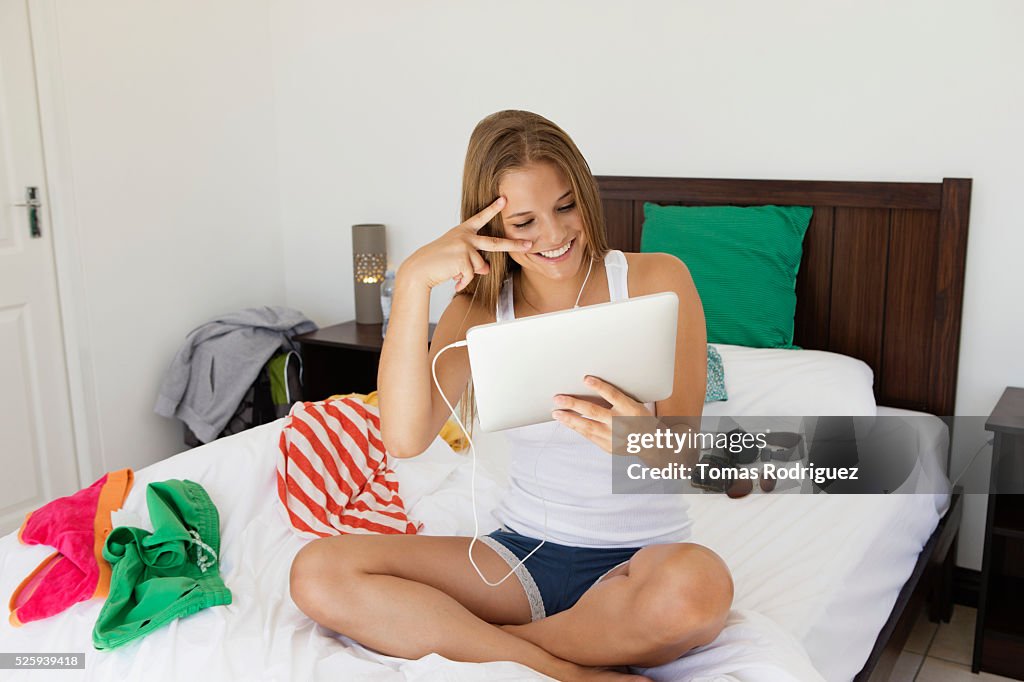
472	483
472	449
580	295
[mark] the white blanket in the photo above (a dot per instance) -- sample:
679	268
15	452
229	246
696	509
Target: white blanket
803	581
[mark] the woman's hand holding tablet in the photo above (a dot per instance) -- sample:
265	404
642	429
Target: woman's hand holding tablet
593	421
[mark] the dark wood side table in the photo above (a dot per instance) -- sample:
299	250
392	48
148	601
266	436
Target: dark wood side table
342	358
999	632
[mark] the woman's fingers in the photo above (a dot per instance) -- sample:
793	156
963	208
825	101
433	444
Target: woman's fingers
594	431
485	243
474	265
584	408
480	266
591	421
485	216
613	395
594	422
458	254
464	275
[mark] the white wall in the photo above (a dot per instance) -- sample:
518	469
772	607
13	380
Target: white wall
219	151
376	101
173	194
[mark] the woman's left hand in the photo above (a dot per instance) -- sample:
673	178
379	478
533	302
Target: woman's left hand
594	422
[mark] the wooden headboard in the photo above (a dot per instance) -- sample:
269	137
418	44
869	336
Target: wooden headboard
882	274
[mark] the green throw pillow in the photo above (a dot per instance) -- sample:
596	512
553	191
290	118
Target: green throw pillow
743	261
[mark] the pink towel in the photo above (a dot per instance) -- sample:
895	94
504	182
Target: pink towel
333	477
77	526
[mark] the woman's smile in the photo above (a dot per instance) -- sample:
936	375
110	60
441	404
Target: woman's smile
556	255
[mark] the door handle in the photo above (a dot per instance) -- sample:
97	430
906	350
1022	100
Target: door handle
32	203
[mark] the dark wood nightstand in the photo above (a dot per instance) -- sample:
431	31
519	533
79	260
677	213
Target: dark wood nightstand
999	633
342	358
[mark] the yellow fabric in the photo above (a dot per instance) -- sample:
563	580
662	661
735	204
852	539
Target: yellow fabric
451	431
454	436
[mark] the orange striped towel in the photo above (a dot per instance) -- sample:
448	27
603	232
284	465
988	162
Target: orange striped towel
333	475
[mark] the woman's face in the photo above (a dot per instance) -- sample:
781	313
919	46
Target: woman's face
540	206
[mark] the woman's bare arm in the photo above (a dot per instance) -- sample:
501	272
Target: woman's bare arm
411	409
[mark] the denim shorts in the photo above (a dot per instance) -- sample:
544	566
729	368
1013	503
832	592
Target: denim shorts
556	576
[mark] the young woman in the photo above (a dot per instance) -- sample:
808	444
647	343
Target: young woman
616	583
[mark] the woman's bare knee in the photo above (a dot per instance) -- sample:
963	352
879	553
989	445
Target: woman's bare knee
303	578
319	571
685	602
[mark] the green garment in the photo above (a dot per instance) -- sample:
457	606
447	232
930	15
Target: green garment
167	574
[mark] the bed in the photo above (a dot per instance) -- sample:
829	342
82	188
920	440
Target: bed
836	608
881	279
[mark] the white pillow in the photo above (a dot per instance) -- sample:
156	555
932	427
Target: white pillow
790	382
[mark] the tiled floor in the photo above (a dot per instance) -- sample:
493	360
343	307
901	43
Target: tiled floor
941	652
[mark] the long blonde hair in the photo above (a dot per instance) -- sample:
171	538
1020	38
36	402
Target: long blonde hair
502	142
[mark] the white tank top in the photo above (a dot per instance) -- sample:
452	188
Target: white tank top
551	465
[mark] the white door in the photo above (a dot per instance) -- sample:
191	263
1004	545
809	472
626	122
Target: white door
37	455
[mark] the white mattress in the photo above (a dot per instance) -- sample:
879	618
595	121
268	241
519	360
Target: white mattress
816	577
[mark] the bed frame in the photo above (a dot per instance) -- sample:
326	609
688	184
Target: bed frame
881	279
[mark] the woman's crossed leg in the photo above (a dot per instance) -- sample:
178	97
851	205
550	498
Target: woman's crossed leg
666	600
412	595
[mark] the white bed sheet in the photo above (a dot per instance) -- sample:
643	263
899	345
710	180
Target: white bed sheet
827	569
812	573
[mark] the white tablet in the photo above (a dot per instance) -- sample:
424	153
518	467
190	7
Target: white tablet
520	365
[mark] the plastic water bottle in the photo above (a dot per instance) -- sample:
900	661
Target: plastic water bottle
387	290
